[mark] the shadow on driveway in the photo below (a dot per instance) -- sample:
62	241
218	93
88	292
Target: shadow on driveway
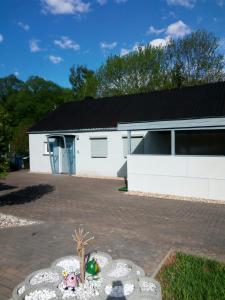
5	187
26	195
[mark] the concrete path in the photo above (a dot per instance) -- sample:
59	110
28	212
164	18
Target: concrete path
138	228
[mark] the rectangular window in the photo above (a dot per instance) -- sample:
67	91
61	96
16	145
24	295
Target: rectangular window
99	147
46	150
200	142
137	145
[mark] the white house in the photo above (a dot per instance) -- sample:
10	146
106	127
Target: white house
168	142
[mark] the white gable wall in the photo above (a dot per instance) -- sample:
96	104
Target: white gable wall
39	162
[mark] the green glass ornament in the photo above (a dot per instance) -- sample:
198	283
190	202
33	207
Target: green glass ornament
92	267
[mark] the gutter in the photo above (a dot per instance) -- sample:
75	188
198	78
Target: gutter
72	130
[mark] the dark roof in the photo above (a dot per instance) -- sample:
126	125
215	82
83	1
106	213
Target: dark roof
204	101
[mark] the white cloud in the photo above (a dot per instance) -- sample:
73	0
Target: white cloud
16	73
152	29
178	29
136	47
65	6
185	3
120	1
65	43
102	2
159	42
220	3
1	38
34	45
174	30
124	51
110	46
55	59
24	26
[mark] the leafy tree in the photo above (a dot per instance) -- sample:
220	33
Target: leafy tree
29	104
139	71
84	82
4	141
9	85
194	59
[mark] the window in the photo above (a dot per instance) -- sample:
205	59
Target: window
200	142
137	145
99	147
46	150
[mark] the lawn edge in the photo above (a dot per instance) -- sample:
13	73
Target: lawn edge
162	262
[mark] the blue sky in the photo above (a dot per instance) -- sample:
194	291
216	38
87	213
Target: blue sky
46	37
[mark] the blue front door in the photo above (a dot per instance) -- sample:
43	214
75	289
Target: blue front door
53	148
62	154
70	148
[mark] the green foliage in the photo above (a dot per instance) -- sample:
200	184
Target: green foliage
28	102
139	71
84	82
189	277
9	85
194	59
4	141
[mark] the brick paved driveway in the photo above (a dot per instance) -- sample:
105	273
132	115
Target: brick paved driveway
141	229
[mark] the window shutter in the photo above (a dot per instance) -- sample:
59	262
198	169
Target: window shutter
99	147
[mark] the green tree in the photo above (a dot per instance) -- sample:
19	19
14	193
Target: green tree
29	104
194	59
4	141
84	82
139	71
9	85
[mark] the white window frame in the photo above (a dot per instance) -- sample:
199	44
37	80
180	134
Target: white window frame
45	148
124	137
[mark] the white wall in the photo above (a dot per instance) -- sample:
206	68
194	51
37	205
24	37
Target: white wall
115	165
191	176
39	162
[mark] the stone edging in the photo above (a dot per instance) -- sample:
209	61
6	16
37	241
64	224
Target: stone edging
175	197
165	258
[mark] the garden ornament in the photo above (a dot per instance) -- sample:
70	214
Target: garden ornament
92	267
79	238
71	280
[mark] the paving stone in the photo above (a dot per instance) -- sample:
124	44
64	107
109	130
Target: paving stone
137	228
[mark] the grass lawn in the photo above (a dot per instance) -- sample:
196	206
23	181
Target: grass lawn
191	277
123	189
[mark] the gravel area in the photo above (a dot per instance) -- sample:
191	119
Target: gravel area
12	221
84	291
148	286
174	197
69	265
21	290
119	290
41	295
45	276
120	270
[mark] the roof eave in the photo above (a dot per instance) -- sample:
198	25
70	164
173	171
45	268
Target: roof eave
174	124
